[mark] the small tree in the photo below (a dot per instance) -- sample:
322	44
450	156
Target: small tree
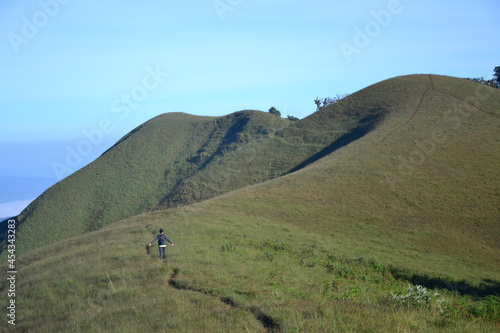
482	80
495	82
497	76
321	103
274	111
292	118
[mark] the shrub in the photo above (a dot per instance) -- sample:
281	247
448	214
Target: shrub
227	247
419	297
274	111
321	103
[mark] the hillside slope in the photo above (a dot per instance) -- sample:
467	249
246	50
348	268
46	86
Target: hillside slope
139	170
176	159
426	187
413	200
382	106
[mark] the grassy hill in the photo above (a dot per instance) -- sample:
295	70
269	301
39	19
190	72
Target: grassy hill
137	172
177	159
395	185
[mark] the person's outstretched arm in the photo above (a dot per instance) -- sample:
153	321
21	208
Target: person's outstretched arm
154	240
168	240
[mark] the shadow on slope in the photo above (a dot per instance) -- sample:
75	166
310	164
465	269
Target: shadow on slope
486	288
368	124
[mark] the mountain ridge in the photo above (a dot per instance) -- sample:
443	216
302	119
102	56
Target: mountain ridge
389	222
152	158
208	156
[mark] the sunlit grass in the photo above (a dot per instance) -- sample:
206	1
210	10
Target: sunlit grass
323	249
223	275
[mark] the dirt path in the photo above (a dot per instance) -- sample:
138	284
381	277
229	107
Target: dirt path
269	324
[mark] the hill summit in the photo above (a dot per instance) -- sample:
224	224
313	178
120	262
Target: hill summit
377	213
176	159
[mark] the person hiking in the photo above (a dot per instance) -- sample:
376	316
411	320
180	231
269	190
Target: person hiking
162	244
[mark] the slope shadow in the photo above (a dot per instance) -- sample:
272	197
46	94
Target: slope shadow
367	125
486	288
230	137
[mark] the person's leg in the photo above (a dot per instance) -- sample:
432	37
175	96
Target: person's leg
163	254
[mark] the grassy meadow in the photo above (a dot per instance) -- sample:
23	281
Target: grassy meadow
379	213
231	272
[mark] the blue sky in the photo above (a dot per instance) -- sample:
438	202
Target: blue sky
77	75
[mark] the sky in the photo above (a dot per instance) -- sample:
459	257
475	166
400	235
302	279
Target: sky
78	75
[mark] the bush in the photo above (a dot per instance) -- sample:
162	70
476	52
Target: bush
321	103
418	297
274	111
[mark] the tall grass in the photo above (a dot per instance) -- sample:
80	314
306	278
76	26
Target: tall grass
224	275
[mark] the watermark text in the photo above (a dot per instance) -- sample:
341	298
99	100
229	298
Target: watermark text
121	108
32	25
372	29
11	271
222	7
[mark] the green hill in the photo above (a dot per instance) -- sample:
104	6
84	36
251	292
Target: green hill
137	172
177	159
396	184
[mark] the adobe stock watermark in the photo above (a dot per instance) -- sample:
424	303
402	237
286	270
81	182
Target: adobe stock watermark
11	271
31	26
222	7
121	108
372	29
451	120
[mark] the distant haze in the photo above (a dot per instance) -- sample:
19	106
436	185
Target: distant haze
13	208
18	192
